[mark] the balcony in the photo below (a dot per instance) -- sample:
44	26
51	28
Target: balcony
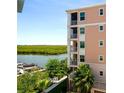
73	36
73	62
73	22
73	49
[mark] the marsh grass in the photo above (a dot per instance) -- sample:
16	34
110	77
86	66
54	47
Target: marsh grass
42	49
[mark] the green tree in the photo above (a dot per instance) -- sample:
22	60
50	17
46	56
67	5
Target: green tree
56	68
63	69
52	67
83	79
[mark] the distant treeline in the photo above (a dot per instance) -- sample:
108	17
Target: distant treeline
42	49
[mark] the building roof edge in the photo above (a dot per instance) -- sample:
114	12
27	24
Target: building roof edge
87	6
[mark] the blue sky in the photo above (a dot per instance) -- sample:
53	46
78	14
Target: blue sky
44	22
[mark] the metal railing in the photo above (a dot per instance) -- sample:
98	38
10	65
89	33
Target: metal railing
73	22
73	49
74	36
73	62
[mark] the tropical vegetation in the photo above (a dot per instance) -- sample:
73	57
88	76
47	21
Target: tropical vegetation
33	82
83	79
42	49
57	68
38	81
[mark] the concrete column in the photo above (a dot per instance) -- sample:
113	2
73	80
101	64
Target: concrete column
78	17
78	46
68	19
68	38
92	90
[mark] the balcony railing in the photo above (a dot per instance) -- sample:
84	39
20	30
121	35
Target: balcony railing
73	22
74	36
73	62
73	49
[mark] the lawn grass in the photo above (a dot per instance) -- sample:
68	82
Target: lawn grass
42	49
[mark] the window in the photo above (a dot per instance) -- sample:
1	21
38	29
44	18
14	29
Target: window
82	58
101	58
82	30
101	43
101	28
101	73
82	44
82	16
101	12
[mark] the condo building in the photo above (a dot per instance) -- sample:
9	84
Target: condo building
87	42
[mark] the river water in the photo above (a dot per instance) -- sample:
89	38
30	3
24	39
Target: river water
39	60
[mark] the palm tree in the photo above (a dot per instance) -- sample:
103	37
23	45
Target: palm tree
83	79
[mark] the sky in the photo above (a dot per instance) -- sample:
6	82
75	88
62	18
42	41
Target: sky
44	22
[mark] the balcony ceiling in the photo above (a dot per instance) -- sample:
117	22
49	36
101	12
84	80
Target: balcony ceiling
20	4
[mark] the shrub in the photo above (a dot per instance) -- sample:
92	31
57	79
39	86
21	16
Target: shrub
56	68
